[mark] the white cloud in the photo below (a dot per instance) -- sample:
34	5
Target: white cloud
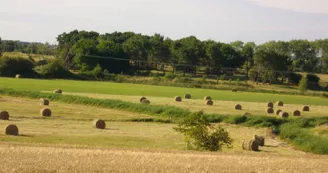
308	6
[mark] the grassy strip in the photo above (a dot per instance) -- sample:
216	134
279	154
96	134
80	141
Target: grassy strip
295	130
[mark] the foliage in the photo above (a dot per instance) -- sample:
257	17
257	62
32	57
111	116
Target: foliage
10	66
201	135
294	78
55	69
303	85
313	81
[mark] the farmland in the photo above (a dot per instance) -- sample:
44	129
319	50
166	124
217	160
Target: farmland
130	141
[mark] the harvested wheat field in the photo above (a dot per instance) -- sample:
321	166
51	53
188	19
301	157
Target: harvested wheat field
45	159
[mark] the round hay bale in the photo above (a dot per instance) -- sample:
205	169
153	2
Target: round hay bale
234	90
297	113
207	98
306	108
269	110
187	96
280	103
250	145
57	91
278	112
178	99
238	107
247	114
145	101
209	102
284	114
4	115
260	139
44	102
270	105
142	98
45	112
18	76
99	124
11	129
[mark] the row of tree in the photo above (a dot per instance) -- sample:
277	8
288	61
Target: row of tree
26	47
129	52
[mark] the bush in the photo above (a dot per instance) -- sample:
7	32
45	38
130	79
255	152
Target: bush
55	69
303	85
200	135
10	66
294	78
169	76
313	81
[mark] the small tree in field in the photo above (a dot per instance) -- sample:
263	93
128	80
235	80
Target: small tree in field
201	135
302	85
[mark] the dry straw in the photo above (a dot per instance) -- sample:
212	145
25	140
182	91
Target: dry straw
209	102
297	113
11	130
238	107
270	104
278	112
45	112
178	99
44	102
280	103
284	114
142	98
99	124
260	139
145	101
187	96
207	98
250	145
269	110
57	91
306	108
4	115
18	76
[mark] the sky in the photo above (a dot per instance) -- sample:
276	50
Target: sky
219	20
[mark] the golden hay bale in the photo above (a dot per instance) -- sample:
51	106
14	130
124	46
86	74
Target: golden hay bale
297	113
209	102
44	102
18	76
57	91
234	90
278	112
238	107
284	114
4	115
207	98
178	99
142	98
145	101
280	103
99	124
247	114
260	139
11	130
306	108
250	145
269	110
187	96
270	105
45	112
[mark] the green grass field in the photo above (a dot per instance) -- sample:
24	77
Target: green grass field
148	90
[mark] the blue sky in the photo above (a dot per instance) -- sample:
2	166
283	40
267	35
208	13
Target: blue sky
219	20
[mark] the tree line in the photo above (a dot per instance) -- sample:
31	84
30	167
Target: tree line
130	53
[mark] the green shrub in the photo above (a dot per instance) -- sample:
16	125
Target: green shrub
55	69
313	81
200	135
10	66
169	76
294	78
303	85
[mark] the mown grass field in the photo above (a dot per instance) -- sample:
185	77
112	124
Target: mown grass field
92	87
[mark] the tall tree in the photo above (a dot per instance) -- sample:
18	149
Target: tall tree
304	55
